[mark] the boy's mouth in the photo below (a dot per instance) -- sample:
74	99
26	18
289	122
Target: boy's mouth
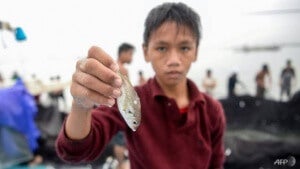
173	74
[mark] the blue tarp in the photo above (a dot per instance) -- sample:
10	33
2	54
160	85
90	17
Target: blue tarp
14	148
17	110
20	34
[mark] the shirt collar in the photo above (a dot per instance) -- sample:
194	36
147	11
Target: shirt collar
194	94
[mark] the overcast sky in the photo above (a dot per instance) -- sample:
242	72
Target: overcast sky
60	32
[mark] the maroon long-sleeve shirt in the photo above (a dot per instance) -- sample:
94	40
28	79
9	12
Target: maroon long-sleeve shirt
165	139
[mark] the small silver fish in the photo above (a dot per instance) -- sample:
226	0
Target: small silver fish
129	104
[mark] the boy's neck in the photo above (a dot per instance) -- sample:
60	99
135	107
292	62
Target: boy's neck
177	92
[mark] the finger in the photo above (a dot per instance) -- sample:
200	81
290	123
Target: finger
95	84
100	55
87	96
95	68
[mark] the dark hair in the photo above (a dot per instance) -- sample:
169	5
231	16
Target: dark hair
125	47
265	68
176	12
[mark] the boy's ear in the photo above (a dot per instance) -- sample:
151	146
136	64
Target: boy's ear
145	49
196	55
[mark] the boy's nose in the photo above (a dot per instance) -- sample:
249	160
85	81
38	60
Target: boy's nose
173	58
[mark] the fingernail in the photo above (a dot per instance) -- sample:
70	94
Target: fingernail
114	67
82	65
116	93
118	82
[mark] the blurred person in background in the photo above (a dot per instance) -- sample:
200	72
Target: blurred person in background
232	81
57	95
1	80
142	79
286	80
263	82
15	76
60	92
35	87
125	54
209	83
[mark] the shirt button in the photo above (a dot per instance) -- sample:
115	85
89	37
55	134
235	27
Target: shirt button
169	104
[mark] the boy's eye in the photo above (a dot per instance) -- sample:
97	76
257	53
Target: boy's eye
161	49
185	48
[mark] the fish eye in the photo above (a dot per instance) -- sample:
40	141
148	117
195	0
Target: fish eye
134	122
130	112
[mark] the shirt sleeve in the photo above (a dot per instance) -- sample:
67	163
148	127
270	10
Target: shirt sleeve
217	140
106	122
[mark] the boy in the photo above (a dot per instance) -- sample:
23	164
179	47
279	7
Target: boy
180	127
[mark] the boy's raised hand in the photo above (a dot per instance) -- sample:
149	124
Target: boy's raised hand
95	81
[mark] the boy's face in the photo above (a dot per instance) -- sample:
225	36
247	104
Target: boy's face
127	56
171	50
